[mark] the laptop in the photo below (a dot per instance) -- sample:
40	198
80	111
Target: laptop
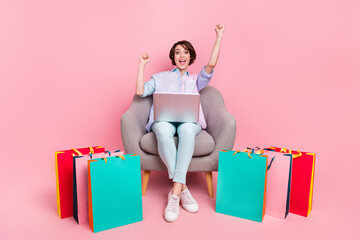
176	107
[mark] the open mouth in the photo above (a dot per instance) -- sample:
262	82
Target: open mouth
182	62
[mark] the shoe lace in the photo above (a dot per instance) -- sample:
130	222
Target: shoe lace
188	199
171	207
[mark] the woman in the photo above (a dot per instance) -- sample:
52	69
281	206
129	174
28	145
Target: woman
182	55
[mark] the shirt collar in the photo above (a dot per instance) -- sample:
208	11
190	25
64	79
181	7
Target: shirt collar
177	70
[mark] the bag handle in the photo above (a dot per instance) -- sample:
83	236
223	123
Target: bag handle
118	156
77	151
296	155
249	150
80	154
91	149
268	167
285	150
260	151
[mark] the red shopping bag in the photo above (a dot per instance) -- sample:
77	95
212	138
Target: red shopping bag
302	181
64	177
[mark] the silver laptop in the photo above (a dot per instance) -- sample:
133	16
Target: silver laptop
176	107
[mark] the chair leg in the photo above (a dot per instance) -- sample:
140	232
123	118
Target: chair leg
145	181
209	181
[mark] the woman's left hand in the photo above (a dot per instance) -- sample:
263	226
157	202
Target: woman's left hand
219	29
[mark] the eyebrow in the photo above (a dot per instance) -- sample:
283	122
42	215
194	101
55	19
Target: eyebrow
178	49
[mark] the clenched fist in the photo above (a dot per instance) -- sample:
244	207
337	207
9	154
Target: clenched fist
144	58
219	29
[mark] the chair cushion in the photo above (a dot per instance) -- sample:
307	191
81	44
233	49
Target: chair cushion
204	143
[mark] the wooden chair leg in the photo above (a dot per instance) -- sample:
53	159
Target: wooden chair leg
209	181
145	181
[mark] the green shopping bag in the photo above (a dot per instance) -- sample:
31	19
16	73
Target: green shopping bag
241	187
114	192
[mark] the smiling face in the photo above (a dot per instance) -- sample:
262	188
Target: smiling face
182	54
181	57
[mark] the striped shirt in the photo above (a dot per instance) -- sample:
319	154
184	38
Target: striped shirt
171	81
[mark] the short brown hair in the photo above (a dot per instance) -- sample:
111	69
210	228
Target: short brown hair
188	46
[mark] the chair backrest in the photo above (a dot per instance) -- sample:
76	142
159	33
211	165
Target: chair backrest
210	98
142	106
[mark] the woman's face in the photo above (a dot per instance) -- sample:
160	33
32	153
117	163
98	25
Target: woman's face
182	57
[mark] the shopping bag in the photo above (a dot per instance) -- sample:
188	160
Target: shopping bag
241	187
278	181
114	192
80	183
302	181
64	178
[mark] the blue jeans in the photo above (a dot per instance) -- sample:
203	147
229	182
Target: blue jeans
176	161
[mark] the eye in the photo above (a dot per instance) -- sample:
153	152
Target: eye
177	53
186	52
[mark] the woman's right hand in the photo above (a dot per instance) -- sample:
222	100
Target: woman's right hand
144	58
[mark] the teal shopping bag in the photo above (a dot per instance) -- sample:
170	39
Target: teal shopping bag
114	192
241	187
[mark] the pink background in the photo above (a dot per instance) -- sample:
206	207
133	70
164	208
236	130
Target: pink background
288	70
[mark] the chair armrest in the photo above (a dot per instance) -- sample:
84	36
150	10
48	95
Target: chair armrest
222	127
133	123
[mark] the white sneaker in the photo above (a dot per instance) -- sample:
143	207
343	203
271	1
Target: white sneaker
188	202
172	208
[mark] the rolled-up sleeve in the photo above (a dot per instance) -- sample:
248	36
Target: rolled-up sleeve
203	79
149	87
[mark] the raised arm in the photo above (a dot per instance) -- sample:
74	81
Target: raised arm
219	29
144	59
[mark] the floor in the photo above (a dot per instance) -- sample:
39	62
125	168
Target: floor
29	212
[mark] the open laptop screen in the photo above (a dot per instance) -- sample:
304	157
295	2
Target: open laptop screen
176	107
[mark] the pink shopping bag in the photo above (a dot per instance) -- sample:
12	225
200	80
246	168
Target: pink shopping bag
80	184
278	184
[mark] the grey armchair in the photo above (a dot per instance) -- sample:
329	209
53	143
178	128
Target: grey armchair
219	134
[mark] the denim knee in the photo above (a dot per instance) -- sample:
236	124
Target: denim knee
188	129
163	129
